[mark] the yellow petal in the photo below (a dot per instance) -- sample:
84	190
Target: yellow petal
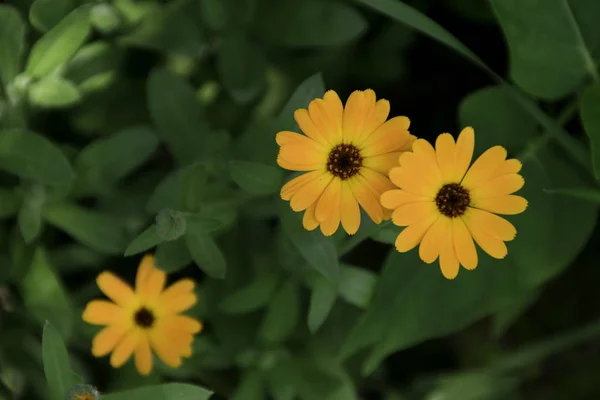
510	166
464	152
181	287
178	297
375	120
165	349
150	281
124	349
303	154
492	224
378	182
448	260
307	126
106	340
309	220
494	247
291	187
507	205
391	136
463	244
365	197
290	166
285	138
412	183
327	117
413	212
355	114
309	193
115	289
382	163
393	199
143	356
102	312
183	323
430	247
484	167
331	224
350	212
445	150
329	201
500	186
412	235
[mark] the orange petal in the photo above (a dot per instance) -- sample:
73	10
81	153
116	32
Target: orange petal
307	126
493	225
378	182
382	163
143	356
431	245
448	259
507	205
183	286
102	312
391	136
303	154
355	114
393	199
491	245
463	244
124	349
331	224
150	281
309	220
445	149
412	235
501	186
115	289
350	212
286	138
414	184
375	120
329	202
106	340
326	114
291	187
484	167
183	323
309	193
412	213
365	197
298	167
464	152
165	349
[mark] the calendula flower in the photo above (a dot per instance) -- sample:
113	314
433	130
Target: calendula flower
347	153
445	205
144	319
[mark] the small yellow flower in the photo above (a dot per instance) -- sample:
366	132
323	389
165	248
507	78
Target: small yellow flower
348	152
445	204
144	319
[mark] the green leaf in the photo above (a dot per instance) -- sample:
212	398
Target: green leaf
589	106
165	195
205	222
105	18
144	241
241	66
587	194
548	54
322	300
214	14
192	186
170	224
311	23
30	214
173	256
56	363
256	178
44	294
357	285
12	43
166	391
9	203
177	114
311	88
101	232
94	66
318	250
250	388
31	156
282	315
57	46
252	296
106	161
45	14
53	92
206	254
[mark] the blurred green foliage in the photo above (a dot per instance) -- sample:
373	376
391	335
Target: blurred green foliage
133	126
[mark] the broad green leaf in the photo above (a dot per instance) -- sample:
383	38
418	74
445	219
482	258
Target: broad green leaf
282	315
505	317
165	194
31	156
105	18
173	256
587	194
177	114
12	43
44	295
250	387
316	379
192	186
256	178
45	14
106	161
9	202
315	248
590	116
311	88
170	224
166	391
205	222
281	381
475	386
57	46
53	92
94	66
56	363
206	254
144	241
311	23
357	285
322	299
253	296
30	214
548	54
102	232
241	66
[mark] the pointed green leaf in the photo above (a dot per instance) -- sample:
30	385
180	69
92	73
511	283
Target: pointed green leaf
322	300
31	156
590	116
57	46
205	222
56	363
256	178
144	241
165	194
357	285
101	232
94	66
30	214
12	43
173	256
252	296
548	54
206	254
192	186
45	14
53	92
282	315
166	391
310	89
170	224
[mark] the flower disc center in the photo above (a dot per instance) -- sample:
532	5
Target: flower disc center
144	318
452	200
344	161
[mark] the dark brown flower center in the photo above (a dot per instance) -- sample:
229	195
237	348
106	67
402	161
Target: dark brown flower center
452	200
344	161
144	318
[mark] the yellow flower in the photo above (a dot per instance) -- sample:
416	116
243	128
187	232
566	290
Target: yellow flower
348	151
144	319
445	204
